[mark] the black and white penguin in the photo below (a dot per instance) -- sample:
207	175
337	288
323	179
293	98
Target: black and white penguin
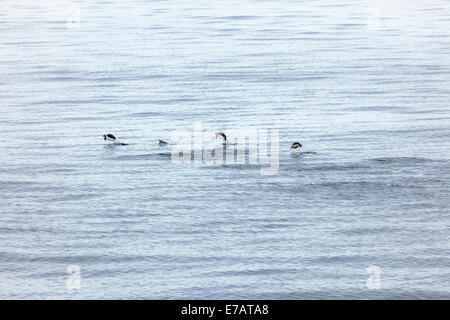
221	135
109	137
296	145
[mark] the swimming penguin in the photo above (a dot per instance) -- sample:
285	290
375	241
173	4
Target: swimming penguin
296	145
162	142
221	135
109	137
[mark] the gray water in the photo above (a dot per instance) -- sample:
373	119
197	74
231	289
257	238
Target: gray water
364	86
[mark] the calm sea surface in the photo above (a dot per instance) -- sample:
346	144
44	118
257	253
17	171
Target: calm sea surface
363	85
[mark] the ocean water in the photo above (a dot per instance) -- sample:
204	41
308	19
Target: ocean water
361	213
